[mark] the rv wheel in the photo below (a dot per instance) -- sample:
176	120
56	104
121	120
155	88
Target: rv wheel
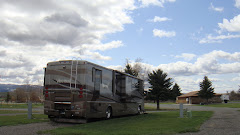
139	110
108	113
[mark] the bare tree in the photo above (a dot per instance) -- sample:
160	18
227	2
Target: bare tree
20	95
138	69
34	96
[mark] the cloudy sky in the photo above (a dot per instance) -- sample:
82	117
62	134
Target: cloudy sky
185	38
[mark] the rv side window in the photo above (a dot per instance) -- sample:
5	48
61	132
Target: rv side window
98	76
98	80
135	85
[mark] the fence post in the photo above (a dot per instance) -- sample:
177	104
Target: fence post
29	110
181	110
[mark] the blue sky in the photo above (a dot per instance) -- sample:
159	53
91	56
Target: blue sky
191	20
185	38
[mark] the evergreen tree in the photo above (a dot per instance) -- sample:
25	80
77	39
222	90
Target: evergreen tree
176	91
129	70
160	85
8	97
206	89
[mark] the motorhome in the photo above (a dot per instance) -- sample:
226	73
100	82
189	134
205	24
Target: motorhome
78	90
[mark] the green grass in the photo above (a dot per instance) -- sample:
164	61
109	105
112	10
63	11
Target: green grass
22	119
230	105
16	105
13	111
164	103
152	108
148	124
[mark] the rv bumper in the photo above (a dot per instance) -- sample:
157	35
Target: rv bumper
64	113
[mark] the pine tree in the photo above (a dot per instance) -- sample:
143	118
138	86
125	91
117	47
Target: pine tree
160	85
176	91
129	70
206	89
8	97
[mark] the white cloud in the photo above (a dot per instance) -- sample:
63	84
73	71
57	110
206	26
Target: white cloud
118	67
218	9
232	26
237	79
159	19
188	75
35	32
217	39
102	47
186	56
159	3
63	23
237	3
209	63
162	33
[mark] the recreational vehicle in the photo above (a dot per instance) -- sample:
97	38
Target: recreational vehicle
77	90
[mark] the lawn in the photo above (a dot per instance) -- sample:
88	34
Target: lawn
153	108
146	124
230	105
22	119
163	103
14	111
20	105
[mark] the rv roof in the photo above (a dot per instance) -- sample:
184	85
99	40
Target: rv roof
85	62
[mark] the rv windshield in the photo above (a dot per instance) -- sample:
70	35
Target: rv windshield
63	76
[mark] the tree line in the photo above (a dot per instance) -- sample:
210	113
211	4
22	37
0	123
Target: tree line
25	94
161	86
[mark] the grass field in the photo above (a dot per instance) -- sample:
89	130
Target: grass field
21	119
14	111
148	124
152	108
163	103
230	105
148	107
16	105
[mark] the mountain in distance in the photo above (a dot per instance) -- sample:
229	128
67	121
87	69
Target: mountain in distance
11	87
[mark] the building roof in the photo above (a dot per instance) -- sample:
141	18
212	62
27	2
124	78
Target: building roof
195	94
190	94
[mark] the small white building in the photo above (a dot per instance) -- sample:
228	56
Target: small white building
225	98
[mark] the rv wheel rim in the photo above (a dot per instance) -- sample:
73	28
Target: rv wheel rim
108	113
139	109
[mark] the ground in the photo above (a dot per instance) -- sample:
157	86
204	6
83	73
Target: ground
224	121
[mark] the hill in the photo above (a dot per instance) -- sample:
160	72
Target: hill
11	87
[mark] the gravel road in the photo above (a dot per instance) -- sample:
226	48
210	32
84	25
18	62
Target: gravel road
30	129
225	121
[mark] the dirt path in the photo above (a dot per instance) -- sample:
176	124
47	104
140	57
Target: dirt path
31	129
225	121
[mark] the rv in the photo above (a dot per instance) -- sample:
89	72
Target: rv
78	90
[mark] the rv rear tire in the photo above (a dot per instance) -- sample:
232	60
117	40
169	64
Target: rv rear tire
139	110
108	113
